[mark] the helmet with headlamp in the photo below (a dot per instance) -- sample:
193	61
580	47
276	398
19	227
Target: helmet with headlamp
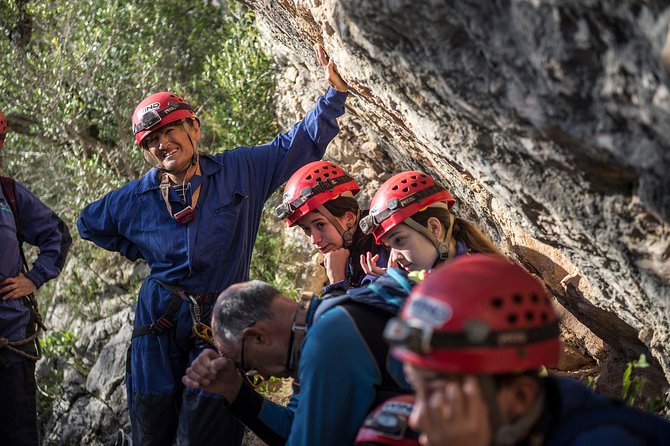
157	111
478	314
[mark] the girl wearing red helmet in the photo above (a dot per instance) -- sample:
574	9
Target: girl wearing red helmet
319	198
411	214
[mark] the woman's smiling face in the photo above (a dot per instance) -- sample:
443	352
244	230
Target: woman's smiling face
171	145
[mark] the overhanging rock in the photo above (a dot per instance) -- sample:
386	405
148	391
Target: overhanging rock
548	120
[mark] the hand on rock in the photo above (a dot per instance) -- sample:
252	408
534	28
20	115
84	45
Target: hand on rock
332	75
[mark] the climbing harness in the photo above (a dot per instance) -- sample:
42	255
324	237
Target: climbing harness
167	320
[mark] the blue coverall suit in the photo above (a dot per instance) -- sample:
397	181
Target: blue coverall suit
339	375
38	226
205	256
575	416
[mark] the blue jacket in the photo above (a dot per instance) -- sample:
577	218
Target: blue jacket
338	374
579	417
214	250
39	226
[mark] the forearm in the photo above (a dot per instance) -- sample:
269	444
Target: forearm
257	413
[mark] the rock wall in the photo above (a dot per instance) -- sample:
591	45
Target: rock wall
548	120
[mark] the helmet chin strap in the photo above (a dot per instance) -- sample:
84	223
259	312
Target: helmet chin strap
347	234
441	247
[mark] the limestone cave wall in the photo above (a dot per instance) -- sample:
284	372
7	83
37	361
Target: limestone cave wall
547	120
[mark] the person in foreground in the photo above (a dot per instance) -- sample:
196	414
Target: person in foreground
194	219
473	336
333	348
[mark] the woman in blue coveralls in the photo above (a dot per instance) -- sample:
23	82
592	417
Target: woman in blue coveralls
411	215
319	198
194	219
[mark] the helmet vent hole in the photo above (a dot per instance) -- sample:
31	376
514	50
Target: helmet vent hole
534	298
404	181
414	185
395	187
517	298
309	177
497	302
544	317
405	189
326	174
512	318
530	316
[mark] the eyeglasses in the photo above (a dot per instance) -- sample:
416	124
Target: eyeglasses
250	374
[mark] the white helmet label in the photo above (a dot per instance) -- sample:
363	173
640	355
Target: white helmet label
429	310
144	111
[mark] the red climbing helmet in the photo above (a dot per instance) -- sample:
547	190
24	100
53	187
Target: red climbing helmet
400	197
388	424
310	187
478	314
3	128
159	110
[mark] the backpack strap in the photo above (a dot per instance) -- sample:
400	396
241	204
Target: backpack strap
651	429
370	322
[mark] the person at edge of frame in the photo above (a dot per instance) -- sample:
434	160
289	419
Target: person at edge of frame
23	218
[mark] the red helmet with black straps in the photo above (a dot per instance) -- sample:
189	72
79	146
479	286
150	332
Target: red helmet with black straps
388	424
159	110
400	197
3	128
310	187
478	314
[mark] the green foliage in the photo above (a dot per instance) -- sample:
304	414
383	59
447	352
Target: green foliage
632	386
242	87
59	344
58	350
270	257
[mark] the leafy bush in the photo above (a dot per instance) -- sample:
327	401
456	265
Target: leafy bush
58	350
